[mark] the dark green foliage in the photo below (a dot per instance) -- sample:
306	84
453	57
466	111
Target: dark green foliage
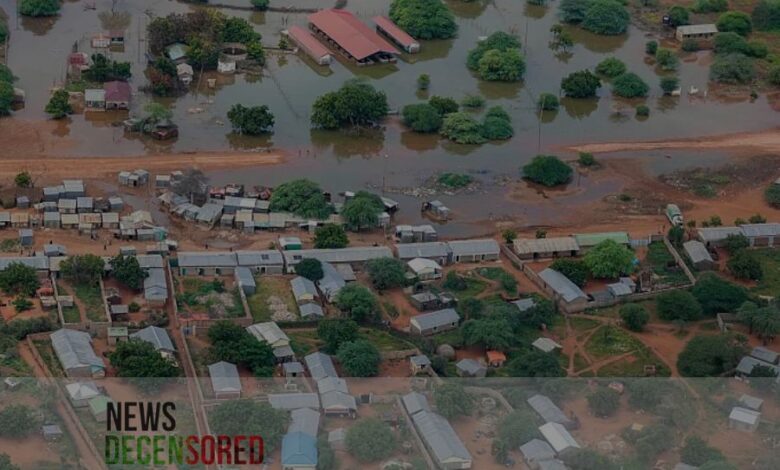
357	302
573	11
651	47
3	32
452	400
336	331
676	235
611	67
728	43
472	102
489	333
766	15
362	211
326	457
139	359
370	440
690	45
634	316
678	305
745	265
710	6
59	105
5	74
604	402
6	464
497	125
653	440
679	16
735	21
717	295
669	84
548	102
83	269
710	356
17	421
443	104
547	170
517	428
330	236
19	279
126	270
37	8
574	269
499	41
642	110
772	193
21	304
462	128
301	197
535	363
606	17
735	242
232	343
356	103
310	268
582	84
542	313
250	418
359	358
387	273
454	282
629	85
454	180
423	81
424	19
666	59
609	259
497	58
421	117
697	452
586	159
239	30
261	5
587	459
105	70
252	120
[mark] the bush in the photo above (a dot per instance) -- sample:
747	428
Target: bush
678	305
356	103
547	170
386	273
710	6
357	302
772	193
423	81
310	268
59	104
421	117
666	59
443	104
679	16
548	102
710	356
17	421
606	17
735	21
261	5
728	43
690	45
642	110
370	440
301	197
604	402
651	47
582	84
634	316
766	15
696	452
716	294
36	8
452	400
735	242
359	358
745	265
611	67
573	11
669	84
575	270
330	236
424	19
609	259
629	85
454	282
497	58
462	128
473	101
254	120
497	124
454	180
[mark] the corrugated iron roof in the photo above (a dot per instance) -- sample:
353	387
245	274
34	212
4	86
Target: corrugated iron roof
350	33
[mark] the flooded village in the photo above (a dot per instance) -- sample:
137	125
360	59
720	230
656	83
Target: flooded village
408	234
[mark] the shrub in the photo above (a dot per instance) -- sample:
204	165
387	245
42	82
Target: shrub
669	84
745	265
733	69
547	170
696	452
454	282
666	59
443	104
581	84
679	16
575	270
716	294
678	305
629	85
454	180
497	58
604	402
727	43
710	6
37	8
609	259
710	355
586	159
497	124
253	120
421	117
607	17
634	316
356	103
772	193
611	67
735	21
651	47
690	45
642	110
548	102
423	81
766	15
735	242
757	49
359	358
424	19
473	101
462	128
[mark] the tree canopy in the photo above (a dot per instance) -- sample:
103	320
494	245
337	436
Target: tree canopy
609	260
359	358
83	269
232	343
137	359
59	105
17	421
462	128
444	105
362	211
301	197
357	301
6	98
575	270
745	265
424	19
547	170
336	331
536	363
330	236
497	58
249	417
606	17
356	103
678	305
253	120
36	8
581	84
732	68
421	117
387	273
716	295
489	333
766	15
629	85
634	316
126	270
611	67
697	452
19	279
452	400
735	21
6	464
710	355
604	402
310	268
370	440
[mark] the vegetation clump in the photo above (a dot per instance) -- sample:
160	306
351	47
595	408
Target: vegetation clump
497	58
547	170
424	19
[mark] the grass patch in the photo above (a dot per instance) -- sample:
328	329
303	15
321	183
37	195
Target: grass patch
664	265
580	362
454	180
507	281
10	244
196	288
390	310
634	366
383	340
611	341
47	354
581	324
473	288
93	301
71	314
266	287
770	263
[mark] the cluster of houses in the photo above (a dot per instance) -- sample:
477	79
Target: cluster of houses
115	95
558	441
701	251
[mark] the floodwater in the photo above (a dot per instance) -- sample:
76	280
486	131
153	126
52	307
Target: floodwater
393	155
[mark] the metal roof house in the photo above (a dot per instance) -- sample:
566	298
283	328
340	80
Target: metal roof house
304	420
261	261
397	35
434	322
155	287
436	251
545	345
310	311
157	337
763	354
74	350
440	439
750	402
558	437
699	256
245	280
549	411
195	263
331	283
715	236
466	251
303	290
338	403
320	365
696	31
589	240
762	234
414	402
536	451
209	214
299	451
747	363
79	393
562	289
539	248
225	381
355	256
269	332
294	401
351	37
310	45
425	269
744	419
470	368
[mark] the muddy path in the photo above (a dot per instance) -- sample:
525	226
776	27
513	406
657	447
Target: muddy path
767	141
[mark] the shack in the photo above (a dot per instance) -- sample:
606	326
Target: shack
699	256
117	95
245	280
559	438
441	440
398	36
743	419
540	248
351	37
425	269
225	381
474	250
562	289
696	31
434	322
470	368
74	350
309	45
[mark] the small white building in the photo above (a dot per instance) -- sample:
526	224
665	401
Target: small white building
425	269
743	419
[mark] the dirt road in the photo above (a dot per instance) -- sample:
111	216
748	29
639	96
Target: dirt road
768	141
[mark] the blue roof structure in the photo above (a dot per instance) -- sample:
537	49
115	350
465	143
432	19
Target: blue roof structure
299	448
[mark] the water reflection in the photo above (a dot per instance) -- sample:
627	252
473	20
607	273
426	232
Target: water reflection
666	103
249	142
471	9
419	142
534	11
365	143
499	90
458	149
595	42
430	50
579	108
38	26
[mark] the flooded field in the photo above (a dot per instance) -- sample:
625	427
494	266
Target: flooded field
393	155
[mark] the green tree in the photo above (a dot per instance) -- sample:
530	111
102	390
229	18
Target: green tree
651	47
745	265
301	197
575	270
501	66
19	279
586	159
17	421
255	51
604	402
609	260
607	17
772	195
126	270
23	179
735	21
717	295
452	400
710	6
462	128
140	362
634	316
424	19
421	117
535	363
588	459
489	333
666	59
310	268
679	16
452	281
548	102
356	103
3	32
669	84
497	125
509	235
59	105
547	170
5	74
336	331
423	81
443	104
653	440
37	8
676	235
362	211
678	304
386	273
249	417
237	29
326	457
157	112
611	67
766	15
629	85
581	84
330	236
232	343
710	355
730	42
5	459
359	358
498	41
254	120
573	11
261	5
370	440
357	302
542	313
697	452
517	428
83	269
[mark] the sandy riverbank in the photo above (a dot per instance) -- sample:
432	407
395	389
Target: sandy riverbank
766	141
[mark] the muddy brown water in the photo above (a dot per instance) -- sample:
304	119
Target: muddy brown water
400	158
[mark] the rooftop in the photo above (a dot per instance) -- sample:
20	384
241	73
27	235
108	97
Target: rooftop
527	246
350	33
562	285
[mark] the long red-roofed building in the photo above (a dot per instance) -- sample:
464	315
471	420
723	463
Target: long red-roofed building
396	34
351	37
310	45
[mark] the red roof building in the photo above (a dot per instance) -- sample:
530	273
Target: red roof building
310	45
396	34
351	37
117	95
